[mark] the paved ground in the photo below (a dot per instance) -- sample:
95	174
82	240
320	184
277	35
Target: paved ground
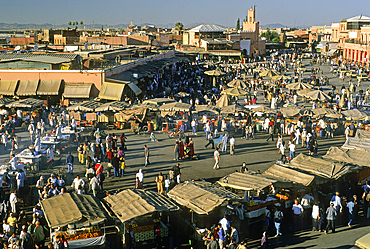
258	154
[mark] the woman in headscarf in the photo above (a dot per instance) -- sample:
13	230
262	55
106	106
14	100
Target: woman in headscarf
181	151
264	242
191	147
140	177
160	183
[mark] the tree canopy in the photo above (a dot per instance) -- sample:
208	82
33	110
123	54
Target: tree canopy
271	36
179	26
238	25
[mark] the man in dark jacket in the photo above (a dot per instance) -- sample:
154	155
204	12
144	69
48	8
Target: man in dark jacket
69	162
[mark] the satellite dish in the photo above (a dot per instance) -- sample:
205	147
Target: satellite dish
36	47
17	48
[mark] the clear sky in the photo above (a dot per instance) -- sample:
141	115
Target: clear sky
286	12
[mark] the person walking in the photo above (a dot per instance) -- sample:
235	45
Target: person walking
69	162
160	183
271	134
194	127
216	157
297	215
291	150
278	219
210	141
351	212
232	145
146	155
224	141
331	214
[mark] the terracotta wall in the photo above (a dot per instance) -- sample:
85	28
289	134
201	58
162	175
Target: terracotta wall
69	76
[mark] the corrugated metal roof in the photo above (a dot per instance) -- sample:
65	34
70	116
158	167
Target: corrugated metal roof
207	28
26	103
9	56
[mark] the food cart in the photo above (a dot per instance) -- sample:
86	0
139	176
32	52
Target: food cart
200	112
140	212
79	218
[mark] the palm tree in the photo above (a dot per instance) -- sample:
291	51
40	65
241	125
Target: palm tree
69	23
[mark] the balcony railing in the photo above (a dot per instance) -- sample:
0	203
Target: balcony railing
353	41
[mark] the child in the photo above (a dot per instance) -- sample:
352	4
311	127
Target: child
123	165
152	138
79	191
178	178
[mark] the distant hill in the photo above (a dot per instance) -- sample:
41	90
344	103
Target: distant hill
15	26
273	26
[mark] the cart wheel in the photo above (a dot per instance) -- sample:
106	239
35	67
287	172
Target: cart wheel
182	136
170	135
144	129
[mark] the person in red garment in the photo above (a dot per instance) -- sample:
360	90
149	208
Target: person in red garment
191	147
181	146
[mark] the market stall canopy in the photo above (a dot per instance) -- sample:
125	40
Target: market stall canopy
5	101
216	72
27	87
263	109
318	95
269	73
290	111
49	87
224	100
159	101
353	156
111	91
362	134
134	88
299	86
355	114
281	77
205	108
146	105
26	103
201	197
304	92
285	174
232	109
88	106
326	112
237	83
235	92
112	106
320	167
246	181
182	95
129	204
355	143
125	115
71	208
8	87
176	107
79	90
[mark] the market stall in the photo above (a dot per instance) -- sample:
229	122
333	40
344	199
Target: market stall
256	187
325	169
105	112
151	115
28	106
351	156
79	218
362	134
204	204
136	118
358	144
141	211
179	113
84	113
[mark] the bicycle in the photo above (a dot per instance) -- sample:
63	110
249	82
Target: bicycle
144	129
176	133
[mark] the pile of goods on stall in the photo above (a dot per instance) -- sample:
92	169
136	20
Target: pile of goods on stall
83	233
